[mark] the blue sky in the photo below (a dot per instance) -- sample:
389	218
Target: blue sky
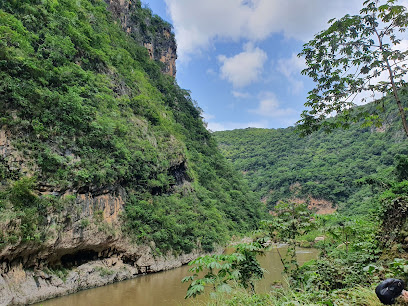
238	57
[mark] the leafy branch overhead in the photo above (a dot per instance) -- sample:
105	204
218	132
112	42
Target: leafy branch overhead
355	55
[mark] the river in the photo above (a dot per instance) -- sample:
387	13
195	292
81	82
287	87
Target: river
165	288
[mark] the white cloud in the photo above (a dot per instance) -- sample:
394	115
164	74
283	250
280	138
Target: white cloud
211	72
241	95
291	68
198	24
269	106
243	68
369	96
207	116
402	46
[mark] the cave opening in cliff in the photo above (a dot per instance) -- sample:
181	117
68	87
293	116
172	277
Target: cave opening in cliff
78	258
179	172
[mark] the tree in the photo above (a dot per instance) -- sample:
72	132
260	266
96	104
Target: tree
349	58
401	167
241	267
290	221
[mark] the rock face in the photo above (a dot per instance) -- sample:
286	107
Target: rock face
85	246
21	287
149	31
63	226
321	206
85	249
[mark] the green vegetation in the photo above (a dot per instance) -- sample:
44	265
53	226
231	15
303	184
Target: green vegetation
352	56
26	218
103	271
352	259
289	222
224	271
84	109
87	110
280	165
349	261
351	296
60	272
362	169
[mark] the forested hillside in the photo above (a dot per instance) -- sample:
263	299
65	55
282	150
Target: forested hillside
99	150
281	165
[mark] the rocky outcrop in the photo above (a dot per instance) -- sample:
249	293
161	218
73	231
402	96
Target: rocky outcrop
85	226
12	159
85	248
81	244
21	287
148	30
319	206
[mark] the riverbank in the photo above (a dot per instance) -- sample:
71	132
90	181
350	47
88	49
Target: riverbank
166	288
21	287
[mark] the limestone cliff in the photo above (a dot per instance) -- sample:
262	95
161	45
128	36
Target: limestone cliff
79	244
149	31
105	162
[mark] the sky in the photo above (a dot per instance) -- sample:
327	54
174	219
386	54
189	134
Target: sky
239	57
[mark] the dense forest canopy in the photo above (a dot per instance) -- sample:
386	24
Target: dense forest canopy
281	165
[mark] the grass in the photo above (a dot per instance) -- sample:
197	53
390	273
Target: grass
364	296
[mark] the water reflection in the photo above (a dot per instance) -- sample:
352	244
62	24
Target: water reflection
165	288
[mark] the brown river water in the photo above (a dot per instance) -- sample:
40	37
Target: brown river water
165	288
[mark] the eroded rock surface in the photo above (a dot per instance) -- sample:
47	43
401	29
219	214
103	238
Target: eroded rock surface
85	248
21	287
160	43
